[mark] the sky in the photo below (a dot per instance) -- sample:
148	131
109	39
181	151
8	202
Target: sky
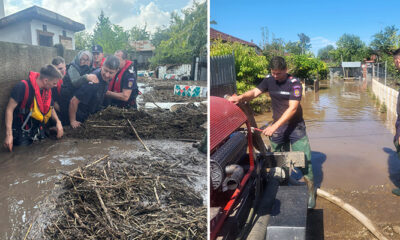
126	13
324	21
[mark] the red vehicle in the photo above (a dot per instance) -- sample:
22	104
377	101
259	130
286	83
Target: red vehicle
249	194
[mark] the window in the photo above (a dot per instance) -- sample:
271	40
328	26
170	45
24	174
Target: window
45	38
64	33
44	28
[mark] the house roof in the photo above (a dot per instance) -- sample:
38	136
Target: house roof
142	46
351	64
215	34
42	14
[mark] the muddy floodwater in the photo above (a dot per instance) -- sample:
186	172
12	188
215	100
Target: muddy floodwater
28	175
354	158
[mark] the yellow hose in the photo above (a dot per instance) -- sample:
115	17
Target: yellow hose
354	212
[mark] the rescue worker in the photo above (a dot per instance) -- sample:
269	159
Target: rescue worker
59	63
396	140
98	56
123	89
288	128
88	99
30	108
77	74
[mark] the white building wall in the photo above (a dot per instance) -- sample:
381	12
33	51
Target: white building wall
57	30
17	33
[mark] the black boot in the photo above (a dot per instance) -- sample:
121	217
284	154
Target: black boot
312	192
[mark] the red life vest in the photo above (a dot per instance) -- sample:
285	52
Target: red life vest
115	83
43	100
101	63
59	83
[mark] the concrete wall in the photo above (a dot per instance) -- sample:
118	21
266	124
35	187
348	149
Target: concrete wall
15	63
57	30
17	33
385	95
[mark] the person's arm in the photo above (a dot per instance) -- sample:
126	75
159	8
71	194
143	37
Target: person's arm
77	80
56	106
286	116
73	108
8	142
245	97
59	127
122	96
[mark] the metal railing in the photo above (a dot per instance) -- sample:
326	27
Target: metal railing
380	73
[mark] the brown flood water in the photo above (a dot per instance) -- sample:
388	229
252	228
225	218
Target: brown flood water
353	157
29	174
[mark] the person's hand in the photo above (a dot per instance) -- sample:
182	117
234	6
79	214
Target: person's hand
269	131
234	99
8	142
92	78
60	130
75	124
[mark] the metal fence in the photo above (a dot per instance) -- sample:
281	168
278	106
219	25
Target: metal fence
199	69
223	75
380	73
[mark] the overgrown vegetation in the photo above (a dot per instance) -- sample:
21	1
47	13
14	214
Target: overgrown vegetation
248	64
183	39
250	69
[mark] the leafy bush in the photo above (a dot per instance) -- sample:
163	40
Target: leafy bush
260	104
249	66
306	67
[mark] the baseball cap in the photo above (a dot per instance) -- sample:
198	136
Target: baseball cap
97	49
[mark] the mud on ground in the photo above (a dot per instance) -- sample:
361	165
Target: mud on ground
163	90
113	123
339	225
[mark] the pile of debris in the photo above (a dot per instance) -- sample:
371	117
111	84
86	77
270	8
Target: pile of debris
186	122
147	197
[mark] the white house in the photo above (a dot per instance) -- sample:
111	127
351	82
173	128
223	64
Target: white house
38	26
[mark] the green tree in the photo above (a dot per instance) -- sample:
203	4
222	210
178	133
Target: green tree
293	48
83	40
351	48
138	33
187	37
110	36
325	53
275	48
385	41
161	34
304	43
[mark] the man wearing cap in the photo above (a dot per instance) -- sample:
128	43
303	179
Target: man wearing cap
98	56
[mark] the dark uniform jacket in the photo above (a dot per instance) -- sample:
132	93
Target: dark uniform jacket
90	96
